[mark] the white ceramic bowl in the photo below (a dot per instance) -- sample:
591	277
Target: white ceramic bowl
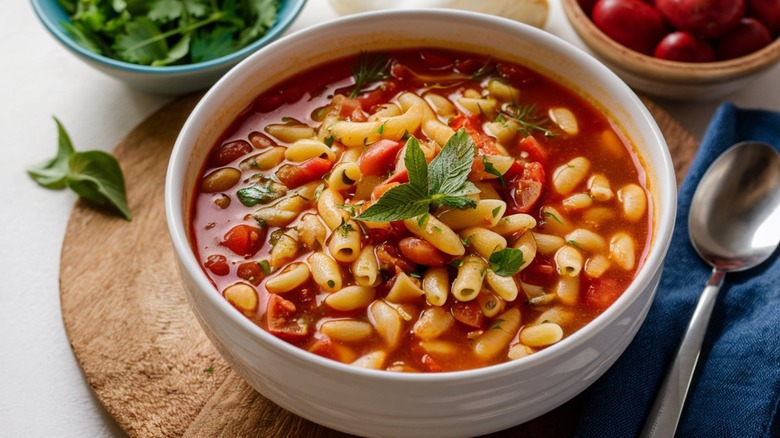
381	403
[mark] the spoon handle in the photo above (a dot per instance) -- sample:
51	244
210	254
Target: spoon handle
665	414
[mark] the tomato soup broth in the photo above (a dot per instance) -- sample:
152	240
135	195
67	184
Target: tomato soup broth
421	210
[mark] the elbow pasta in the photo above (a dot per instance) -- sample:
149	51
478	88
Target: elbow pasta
541	232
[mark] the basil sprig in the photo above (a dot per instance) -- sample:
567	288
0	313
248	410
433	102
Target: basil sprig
93	175
442	182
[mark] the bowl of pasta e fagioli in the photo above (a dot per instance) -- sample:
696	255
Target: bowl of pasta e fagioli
420	223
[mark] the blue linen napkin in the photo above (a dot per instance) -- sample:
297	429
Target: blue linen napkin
737	390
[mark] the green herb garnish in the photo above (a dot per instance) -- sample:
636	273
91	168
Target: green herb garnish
442	182
331	284
527	117
345	228
168	32
209	370
497	325
553	216
491	169
93	175
329	140
262	192
265	266
506	262
368	71
575	244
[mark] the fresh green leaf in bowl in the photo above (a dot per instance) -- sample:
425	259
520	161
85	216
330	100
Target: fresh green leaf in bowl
93	175
168	32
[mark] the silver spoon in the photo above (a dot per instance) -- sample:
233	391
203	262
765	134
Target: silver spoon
734	225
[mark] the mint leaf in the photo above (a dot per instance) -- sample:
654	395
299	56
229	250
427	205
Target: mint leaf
398	203
458	202
443	182
416	166
53	173
93	175
97	177
506	262
450	168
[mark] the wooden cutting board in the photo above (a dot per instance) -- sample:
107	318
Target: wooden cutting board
140	346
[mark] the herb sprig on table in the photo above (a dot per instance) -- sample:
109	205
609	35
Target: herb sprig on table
93	175
442	182
167	32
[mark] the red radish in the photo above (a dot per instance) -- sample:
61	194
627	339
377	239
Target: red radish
748	36
631	23
767	12
706	18
683	47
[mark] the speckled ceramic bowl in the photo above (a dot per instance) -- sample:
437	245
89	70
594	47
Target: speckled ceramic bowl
381	403
168	80
670	79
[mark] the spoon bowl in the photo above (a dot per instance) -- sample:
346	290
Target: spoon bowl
734	225
735	212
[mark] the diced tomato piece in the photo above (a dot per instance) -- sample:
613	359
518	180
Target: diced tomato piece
436	60
217	264
378	95
323	346
352	109
514	73
468	313
379	157
230	151
381	189
485	143
536	152
385	234
400	71
470	66
299	174
430	364
251	272
421	251
389	258
244	240
602	293
282	319
402	176
526	193
528	187
543	267
534	172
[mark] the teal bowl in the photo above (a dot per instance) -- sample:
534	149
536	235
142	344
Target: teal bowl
166	80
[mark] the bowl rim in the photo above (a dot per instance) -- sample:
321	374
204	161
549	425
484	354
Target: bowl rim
279	26
646	65
652	263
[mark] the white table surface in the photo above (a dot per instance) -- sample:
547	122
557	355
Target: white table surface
43	392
